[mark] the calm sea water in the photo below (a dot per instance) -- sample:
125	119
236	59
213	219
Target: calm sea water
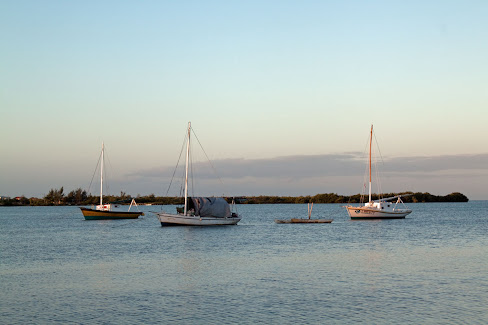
431	268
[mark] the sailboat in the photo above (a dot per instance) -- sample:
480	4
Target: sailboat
105	211
382	208
199	211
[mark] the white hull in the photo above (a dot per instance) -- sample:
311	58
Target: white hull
373	213
167	219
380	208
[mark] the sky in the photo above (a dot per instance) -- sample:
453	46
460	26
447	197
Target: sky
281	94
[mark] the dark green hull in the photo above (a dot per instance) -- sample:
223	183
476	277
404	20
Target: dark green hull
91	214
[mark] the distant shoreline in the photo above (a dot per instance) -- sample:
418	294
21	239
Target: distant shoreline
80	198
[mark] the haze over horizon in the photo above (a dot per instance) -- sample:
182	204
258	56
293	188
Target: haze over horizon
281	94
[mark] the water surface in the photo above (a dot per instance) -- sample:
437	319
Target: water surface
430	268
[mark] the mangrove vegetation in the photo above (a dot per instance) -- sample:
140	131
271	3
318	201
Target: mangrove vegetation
82	198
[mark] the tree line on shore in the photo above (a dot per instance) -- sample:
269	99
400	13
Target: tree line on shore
409	197
81	197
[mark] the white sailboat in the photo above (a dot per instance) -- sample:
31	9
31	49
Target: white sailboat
383	208
199	211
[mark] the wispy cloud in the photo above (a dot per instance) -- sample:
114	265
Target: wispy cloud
312	174
293	175
466	163
306	166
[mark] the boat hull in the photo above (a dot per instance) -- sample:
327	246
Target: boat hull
92	214
368	213
167	219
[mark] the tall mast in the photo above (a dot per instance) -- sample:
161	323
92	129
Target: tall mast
101	178
186	168
370	140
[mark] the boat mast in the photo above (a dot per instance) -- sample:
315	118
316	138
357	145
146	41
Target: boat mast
186	168
101	178
370	140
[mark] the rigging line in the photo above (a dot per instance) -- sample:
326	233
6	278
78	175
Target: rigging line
128	223
155	214
378	172
215	172
182	185
192	191
378	179
108	172
182	181
378	147
365	181
174	172
365	174
96	168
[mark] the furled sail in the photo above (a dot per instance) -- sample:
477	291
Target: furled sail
211	207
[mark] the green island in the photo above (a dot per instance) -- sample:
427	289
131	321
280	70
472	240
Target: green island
80	197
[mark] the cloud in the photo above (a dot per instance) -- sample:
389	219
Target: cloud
311	174
286	166
287	175
438	163
310	166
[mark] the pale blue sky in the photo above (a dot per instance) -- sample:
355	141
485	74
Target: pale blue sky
261	81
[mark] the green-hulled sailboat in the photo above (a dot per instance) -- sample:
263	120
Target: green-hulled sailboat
105	211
